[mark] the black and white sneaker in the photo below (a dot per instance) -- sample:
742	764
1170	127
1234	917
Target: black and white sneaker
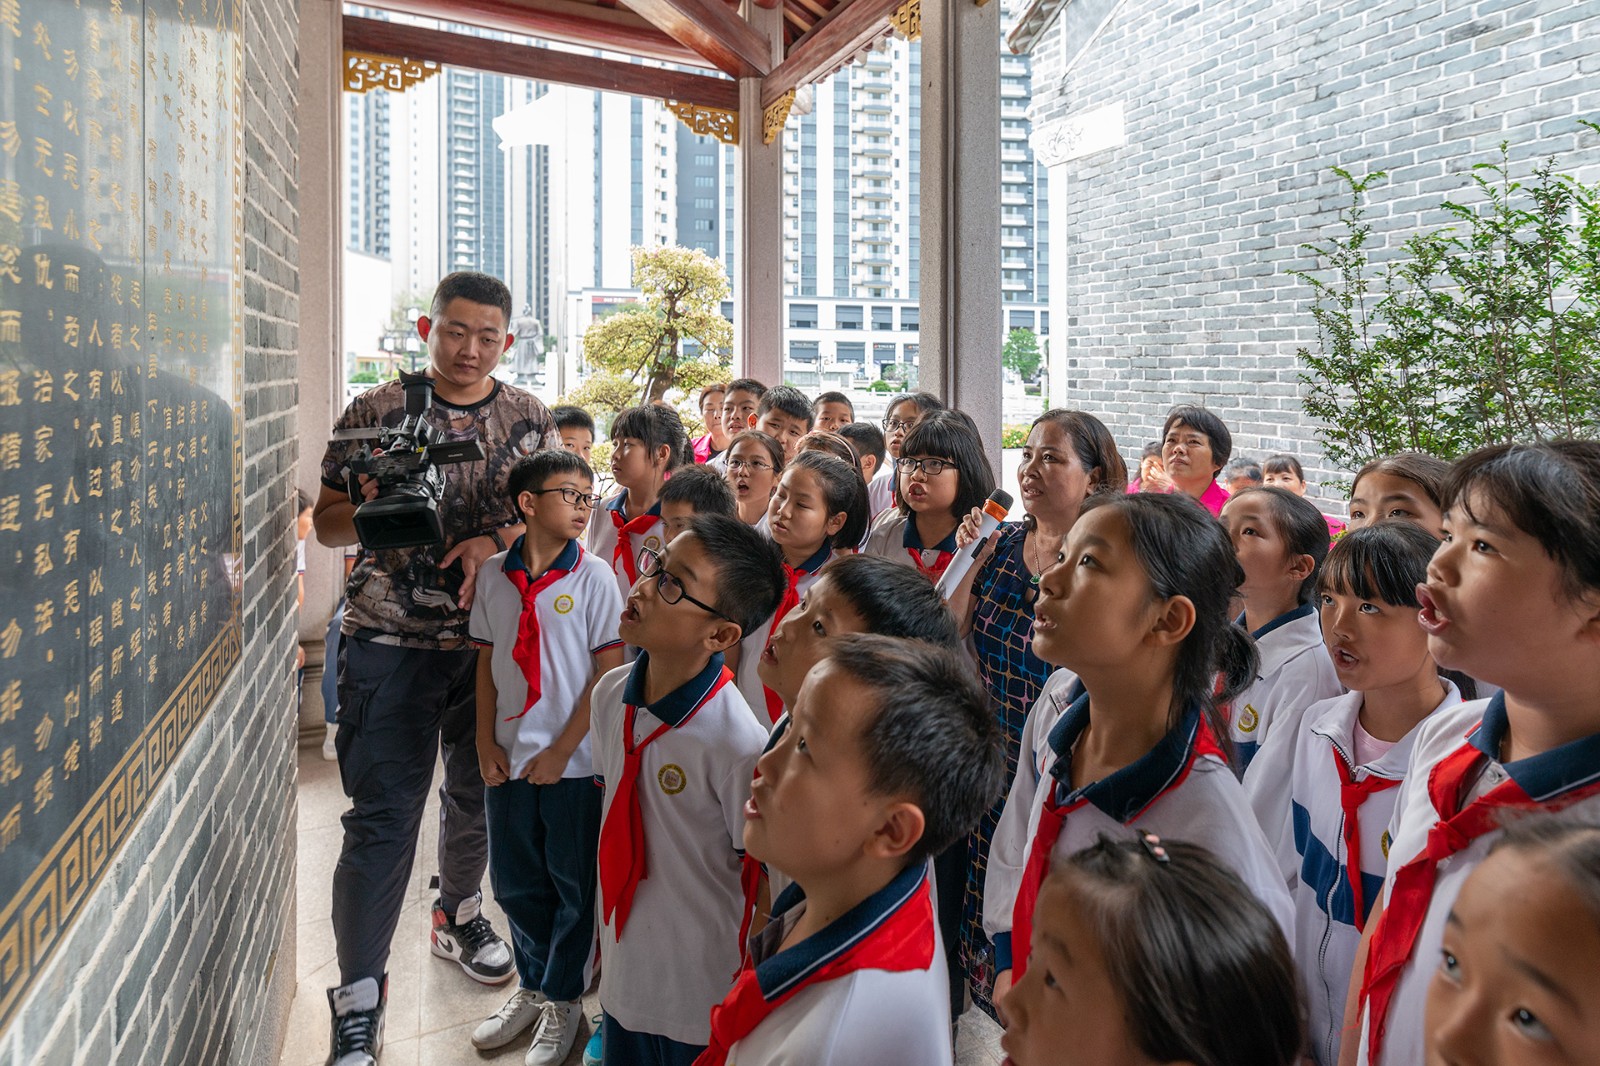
357	1022
472	942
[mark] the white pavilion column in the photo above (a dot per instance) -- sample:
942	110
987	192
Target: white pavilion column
961	333
758	319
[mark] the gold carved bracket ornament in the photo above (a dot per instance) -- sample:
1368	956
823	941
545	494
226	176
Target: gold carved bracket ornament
773	118
907	18
365	71
723	125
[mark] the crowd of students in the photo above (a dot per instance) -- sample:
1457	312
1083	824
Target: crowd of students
1168	778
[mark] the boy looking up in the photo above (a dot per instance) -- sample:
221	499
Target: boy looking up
891	755
674	745
576	429
832	410
694	490
785	416
647	444
545	622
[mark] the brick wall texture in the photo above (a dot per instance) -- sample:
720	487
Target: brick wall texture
177	957
1180	242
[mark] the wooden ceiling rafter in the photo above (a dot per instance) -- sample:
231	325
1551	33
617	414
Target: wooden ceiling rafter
712	29
848	29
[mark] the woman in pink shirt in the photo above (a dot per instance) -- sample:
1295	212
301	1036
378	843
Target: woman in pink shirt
715	440
1195	446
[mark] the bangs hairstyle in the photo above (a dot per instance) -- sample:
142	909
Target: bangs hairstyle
1549	491
1572	847
1199	982
530	473
474	287
569	417
842	490
893	600
790	401
655	424
1299	523
1383	562
749	568
1184	551
833	397
1283	464
944	435
1425	471
865	438
747	385
1094	446
820	440
926	402
701	488
932	737
1199	418
770	444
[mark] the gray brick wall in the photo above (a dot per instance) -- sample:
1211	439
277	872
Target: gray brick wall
181	955
1180	241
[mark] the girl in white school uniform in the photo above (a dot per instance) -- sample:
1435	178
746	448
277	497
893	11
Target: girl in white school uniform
1324	792
1137	608
820	507
1281	540
943	474
755	462
1513	597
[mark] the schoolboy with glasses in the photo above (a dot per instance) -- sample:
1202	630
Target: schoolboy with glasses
675	745
545	623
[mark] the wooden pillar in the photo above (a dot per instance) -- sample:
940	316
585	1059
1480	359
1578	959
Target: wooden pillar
758	318
961	333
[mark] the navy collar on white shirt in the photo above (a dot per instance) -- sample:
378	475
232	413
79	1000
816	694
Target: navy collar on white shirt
565	561
1305	610
913	539
1546	775
1123	794
676	705
620	500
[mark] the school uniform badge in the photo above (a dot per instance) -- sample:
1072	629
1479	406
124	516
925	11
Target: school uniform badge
1249	719
563	604
672	779
653	542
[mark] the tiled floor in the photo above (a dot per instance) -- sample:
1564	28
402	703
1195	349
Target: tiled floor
433	1006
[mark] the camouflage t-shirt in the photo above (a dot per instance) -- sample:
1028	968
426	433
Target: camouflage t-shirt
400	596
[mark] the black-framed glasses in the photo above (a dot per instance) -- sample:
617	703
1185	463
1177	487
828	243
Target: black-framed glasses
572	496
930	467
748	464
668	586
890	425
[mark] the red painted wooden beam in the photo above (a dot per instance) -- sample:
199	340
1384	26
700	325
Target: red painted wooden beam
848	28
712	29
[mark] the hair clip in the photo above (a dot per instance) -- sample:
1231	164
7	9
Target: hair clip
1153	847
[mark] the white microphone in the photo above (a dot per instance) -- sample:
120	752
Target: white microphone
995	509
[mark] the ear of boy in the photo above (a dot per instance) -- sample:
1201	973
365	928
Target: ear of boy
901	828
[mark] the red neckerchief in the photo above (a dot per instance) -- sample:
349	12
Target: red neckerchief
525	652
1395	935
623	552
1352	794
791	600
622	853
902	942
936	571
1051	821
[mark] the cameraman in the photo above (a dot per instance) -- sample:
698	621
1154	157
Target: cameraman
406	669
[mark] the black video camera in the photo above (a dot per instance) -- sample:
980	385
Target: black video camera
406	512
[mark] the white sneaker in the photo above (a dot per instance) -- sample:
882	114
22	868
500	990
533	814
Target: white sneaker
507	1023
558	1029
329	752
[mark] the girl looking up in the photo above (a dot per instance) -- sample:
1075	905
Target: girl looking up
1408	486
755	462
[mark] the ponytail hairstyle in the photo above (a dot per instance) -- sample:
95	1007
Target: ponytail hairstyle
821	440
842	490
949	435
657	425
773	448
1301	526
1186	552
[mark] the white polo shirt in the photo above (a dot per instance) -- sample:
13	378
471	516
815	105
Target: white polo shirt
894	536
755	642
578	615
880	490
1305	826
601	538
1173	790
1549	779
1296	671
867	1016
679	952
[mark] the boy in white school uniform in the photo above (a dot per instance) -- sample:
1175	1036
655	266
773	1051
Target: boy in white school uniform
890	755
647	444
674	746
545	621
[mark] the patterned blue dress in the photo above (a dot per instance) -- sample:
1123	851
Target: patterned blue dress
1002	634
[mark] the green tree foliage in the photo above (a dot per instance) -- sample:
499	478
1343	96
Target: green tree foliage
1021	353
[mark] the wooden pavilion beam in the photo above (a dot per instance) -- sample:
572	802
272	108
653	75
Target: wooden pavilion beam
714	30
538	64
611	29
848	28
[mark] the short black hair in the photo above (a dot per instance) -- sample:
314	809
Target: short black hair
530	473
655	424
791	402
926	402
1198	981
932	736
833	397
1550	491
471	285
701	488
1385	561
767	441
945	435
1300	524
865	438
1245	468
1283	463
842	490
893	600
749	568
1199	418
747	385
1425	471
1151	450
570	417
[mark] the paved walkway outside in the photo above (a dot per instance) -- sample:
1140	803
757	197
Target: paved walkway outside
433	1006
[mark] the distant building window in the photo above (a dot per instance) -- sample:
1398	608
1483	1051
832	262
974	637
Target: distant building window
703	225
852	351
802	316
882	353
848	316
705	202
909	319
883	318
705	160
1021	319
803	351
705	181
